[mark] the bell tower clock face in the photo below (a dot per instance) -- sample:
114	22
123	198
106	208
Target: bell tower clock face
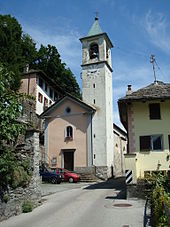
93	71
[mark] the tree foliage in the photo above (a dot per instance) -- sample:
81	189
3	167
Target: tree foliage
10	43
18	49
50	62
160	197
10	109
10	129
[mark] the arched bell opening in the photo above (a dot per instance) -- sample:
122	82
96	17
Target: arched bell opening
94	51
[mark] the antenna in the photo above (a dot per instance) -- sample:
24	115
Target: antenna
152	60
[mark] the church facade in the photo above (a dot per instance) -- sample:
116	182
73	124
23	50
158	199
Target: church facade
79	134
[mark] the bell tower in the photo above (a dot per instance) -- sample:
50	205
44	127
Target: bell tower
97	91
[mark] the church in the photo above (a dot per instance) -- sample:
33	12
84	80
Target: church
79	134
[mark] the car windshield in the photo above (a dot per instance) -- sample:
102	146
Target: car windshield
62	170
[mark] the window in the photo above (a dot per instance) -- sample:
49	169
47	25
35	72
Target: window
94	101
69	132
55	96
51	93
156	142
45	103
107	52
46	87
153	143
94	51
40	82
40	97
68	110
50	102
154	111
145	143
94	85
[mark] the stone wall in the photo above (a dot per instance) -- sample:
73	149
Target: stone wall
28	113
87	170
101	172
16	197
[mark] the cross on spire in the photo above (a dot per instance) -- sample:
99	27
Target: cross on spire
97	15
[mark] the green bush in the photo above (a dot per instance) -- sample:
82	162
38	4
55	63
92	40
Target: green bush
13	172
27	206
20	177
5	198
159	196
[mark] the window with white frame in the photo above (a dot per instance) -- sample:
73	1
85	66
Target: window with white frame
69	132
151	143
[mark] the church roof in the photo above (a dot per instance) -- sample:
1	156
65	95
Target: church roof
95	29
156	90
91	109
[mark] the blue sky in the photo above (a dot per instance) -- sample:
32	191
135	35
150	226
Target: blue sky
137	28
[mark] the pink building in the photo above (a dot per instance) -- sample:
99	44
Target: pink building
68	134
39	85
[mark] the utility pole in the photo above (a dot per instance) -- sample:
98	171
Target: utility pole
152	60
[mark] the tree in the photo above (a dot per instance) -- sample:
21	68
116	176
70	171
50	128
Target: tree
18	49
29	51
13	172
10	43
50	62
10	109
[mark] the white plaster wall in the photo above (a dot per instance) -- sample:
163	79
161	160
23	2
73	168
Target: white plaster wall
109	116
39	106
102	122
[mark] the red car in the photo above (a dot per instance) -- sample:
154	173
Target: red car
67	175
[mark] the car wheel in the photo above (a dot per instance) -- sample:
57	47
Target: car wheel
53	180
70	180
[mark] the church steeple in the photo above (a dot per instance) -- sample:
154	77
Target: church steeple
96	46
95	29
97	91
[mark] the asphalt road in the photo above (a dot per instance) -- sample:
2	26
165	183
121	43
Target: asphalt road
80	205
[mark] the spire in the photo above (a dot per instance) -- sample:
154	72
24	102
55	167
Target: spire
95	29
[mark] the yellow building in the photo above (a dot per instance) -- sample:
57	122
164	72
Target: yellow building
145	114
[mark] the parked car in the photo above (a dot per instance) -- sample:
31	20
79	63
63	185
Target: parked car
50	176
68	175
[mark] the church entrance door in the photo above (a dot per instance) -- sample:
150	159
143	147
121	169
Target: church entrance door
69	160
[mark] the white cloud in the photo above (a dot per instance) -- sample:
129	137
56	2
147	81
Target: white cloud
157	28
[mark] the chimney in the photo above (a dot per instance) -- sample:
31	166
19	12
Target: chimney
129	91
26	69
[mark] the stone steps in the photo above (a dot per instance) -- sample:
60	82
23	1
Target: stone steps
88	177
